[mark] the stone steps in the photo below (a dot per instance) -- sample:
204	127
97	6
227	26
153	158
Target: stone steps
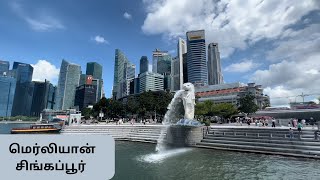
266	144
268	141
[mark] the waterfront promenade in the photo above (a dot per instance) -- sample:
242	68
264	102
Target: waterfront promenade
266	140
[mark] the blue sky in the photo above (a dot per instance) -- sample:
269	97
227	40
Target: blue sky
273	43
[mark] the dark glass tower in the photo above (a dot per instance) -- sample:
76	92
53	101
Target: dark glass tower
7	89
22	72
94	69
144	63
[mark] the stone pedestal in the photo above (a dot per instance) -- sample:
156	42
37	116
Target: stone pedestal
181	136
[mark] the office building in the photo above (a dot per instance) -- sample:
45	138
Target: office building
124	72
85	96
43	97
22	72
7	89
164	64
68	82
177	66
22	99
151	82
214	65
196	57
144	64
22	102
185	68
155	56
83	78
95	70
4	68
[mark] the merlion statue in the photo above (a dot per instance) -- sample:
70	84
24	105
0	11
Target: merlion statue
188	99
186	95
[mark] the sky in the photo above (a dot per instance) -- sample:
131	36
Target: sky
269	42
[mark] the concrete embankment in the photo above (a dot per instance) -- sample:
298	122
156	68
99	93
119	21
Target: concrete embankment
264	140
141	133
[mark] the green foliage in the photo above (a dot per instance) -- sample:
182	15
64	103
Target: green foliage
87	112
208	109
247	105
147	103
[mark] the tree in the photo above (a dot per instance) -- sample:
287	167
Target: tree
226	110
247	104
87	112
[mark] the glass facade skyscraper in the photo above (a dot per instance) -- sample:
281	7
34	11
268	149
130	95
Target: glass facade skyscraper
144	63
4	67
68	82
22	72
95	70
164	64
214	65
196	57
124	72
43	97
7	89
177	66
155	56
22	102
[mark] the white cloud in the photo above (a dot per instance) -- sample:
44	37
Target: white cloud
128	16
39	22
241	67
45	70
100	40
233	24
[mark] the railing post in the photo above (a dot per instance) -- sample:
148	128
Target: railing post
258	135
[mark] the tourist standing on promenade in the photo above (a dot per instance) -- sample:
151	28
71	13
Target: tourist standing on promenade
291	133
299	129
295	122
273	122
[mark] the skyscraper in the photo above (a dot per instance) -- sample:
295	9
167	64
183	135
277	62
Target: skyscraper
150	82
164	64
4	67
43	97
177	66
7	89
214	65
155	56
22	72
85	95
128	75
196	57
144	63
68	81
95	70
124	71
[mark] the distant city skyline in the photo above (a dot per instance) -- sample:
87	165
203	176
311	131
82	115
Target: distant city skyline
274	44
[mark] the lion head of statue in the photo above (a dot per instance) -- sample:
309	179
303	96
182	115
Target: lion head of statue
188	87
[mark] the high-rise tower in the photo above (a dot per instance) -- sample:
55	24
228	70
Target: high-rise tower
196	57
214	65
